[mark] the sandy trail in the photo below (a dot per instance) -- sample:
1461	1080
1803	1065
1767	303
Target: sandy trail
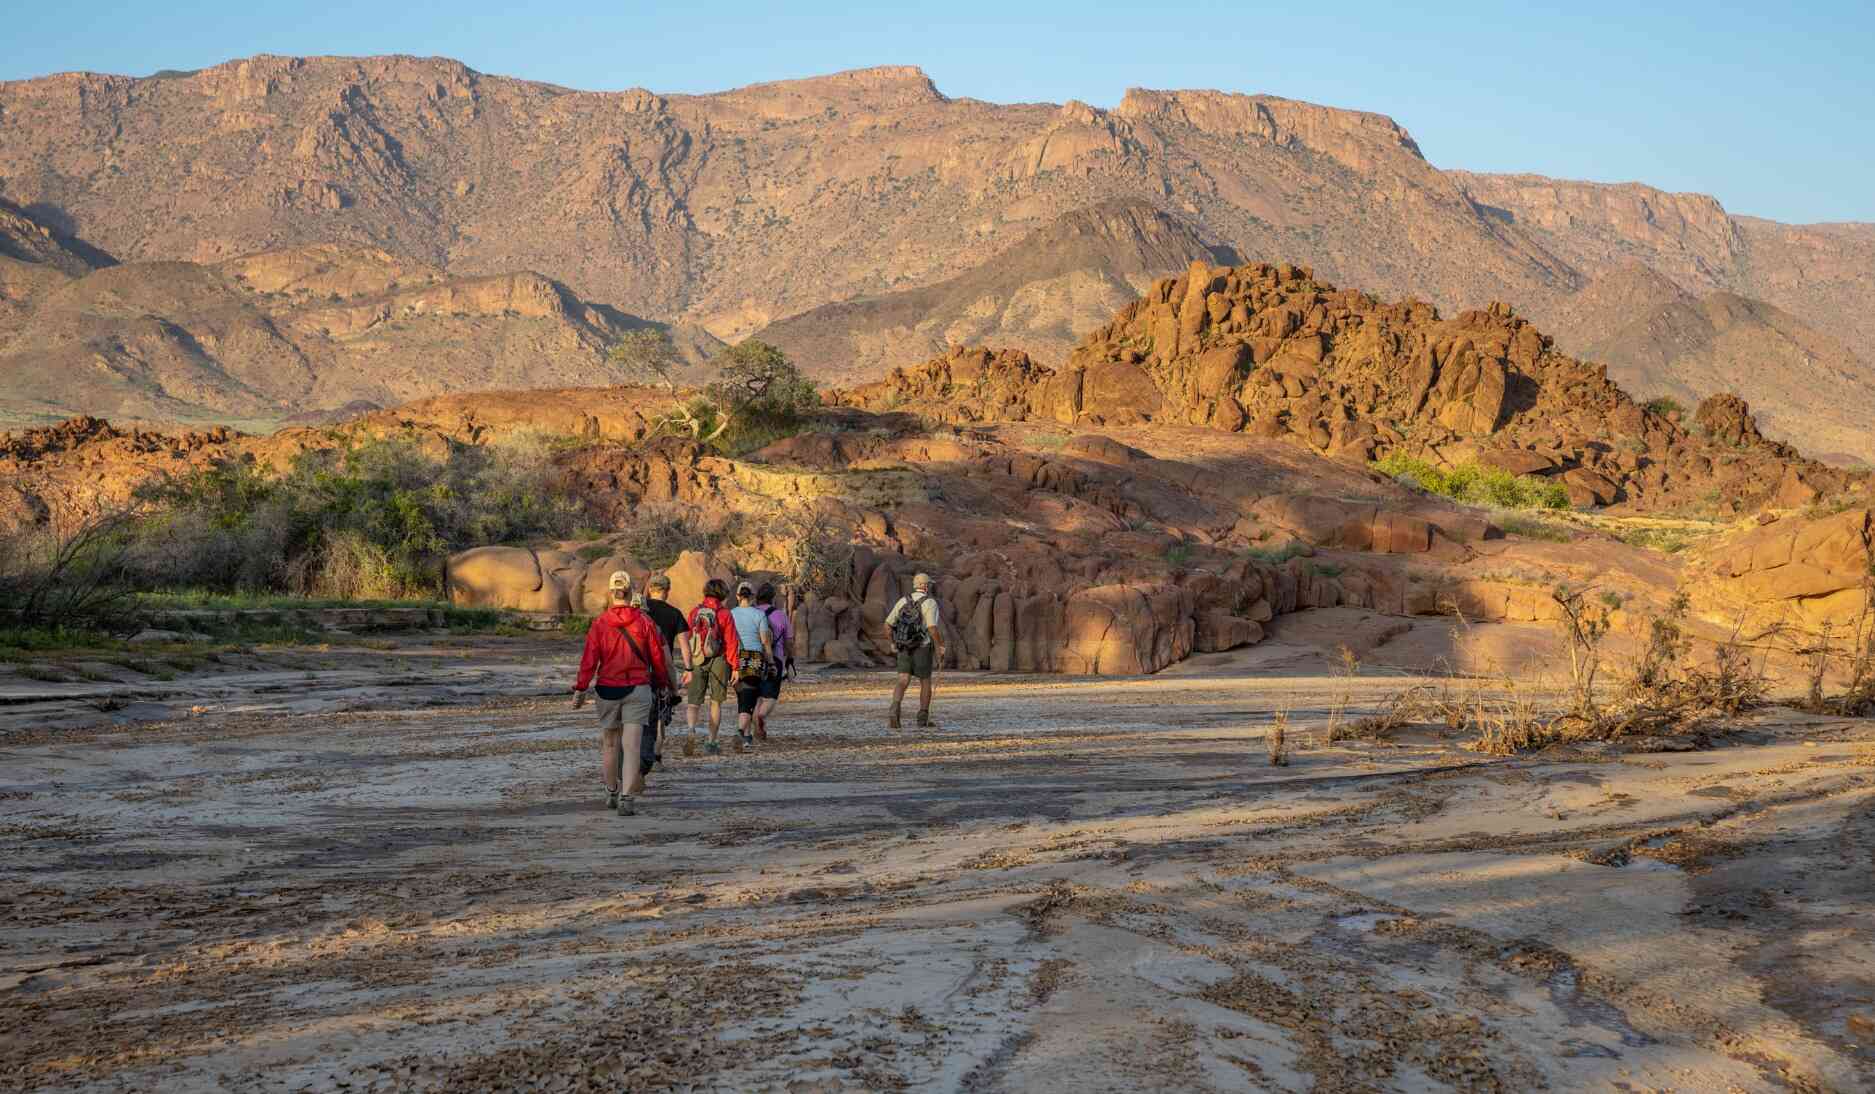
1071	885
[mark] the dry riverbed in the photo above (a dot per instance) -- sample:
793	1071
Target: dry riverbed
1070	885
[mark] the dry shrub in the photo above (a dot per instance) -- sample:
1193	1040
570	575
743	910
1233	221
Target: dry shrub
74	576
1419	703
660	531
1666	693
817	551
348	566
1350	668
1850	649
1276	740
1509	723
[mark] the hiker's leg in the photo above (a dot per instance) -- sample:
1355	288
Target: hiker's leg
609	759
898	692
636	709
631	775
924	693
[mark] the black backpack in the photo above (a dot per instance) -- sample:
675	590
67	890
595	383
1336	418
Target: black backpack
908	629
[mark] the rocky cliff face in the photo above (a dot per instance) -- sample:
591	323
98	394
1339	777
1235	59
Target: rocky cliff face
1657	339
1273	351
278	333
872	181
1041	294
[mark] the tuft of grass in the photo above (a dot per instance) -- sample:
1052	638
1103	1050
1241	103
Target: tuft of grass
593	552
1663	405
575	626
1665	540
1474	484
1276	556
1178	554
1529	527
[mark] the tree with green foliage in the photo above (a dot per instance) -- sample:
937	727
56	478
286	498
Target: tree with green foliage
647	355
756	391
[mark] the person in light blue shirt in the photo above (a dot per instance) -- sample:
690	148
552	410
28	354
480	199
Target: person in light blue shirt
755	653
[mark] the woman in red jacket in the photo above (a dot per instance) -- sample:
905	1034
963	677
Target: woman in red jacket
624	651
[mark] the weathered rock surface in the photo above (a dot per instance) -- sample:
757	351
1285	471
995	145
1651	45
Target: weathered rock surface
1275	352
1814	574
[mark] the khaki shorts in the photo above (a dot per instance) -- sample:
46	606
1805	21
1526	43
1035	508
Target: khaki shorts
633	710
711	680
919	662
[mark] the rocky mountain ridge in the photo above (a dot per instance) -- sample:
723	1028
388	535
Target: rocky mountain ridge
270	335
683	205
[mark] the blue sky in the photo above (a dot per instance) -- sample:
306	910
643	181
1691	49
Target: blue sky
1770	107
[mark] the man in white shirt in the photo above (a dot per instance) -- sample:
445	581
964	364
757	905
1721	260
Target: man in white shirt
918	641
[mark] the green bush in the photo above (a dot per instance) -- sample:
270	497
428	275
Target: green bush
1663	406
1474	484
372	521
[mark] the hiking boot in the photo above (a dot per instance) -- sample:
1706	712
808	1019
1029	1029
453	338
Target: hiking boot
924	720
611	799
711	748
892	722
761	728
625	806
744	743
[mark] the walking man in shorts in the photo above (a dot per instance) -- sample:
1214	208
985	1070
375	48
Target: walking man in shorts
625	653
918	641
672	626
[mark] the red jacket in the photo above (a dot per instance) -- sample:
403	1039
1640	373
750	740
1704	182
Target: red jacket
725	625
612	657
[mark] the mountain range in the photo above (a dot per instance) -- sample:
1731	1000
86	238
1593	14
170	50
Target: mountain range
864	219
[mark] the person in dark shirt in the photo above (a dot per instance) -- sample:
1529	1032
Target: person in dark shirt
671	625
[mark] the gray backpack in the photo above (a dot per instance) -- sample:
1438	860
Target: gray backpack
908	629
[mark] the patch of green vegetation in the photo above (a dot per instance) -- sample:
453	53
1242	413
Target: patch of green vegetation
1322	569
1048	440
252	600
1474	484
17	642
1663	405
576	626
42	673
593	552
1666	540
1178	554
372	521
1276	556
1529	527
1829	507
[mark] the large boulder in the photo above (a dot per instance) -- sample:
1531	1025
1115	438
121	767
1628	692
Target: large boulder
1115	391
689	574
1808	573
511	578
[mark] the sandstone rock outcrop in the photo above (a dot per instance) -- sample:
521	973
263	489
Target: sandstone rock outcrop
1272	351
1811	573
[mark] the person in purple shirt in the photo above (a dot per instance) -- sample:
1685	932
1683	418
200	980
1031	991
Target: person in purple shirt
783	664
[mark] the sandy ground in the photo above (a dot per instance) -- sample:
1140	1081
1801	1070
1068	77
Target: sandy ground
1070	885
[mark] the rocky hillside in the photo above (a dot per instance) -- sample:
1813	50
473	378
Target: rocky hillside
1042	294
1275	352
276	334
1657	339
737	209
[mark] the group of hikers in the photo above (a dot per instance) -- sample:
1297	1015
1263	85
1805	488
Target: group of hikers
642	654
